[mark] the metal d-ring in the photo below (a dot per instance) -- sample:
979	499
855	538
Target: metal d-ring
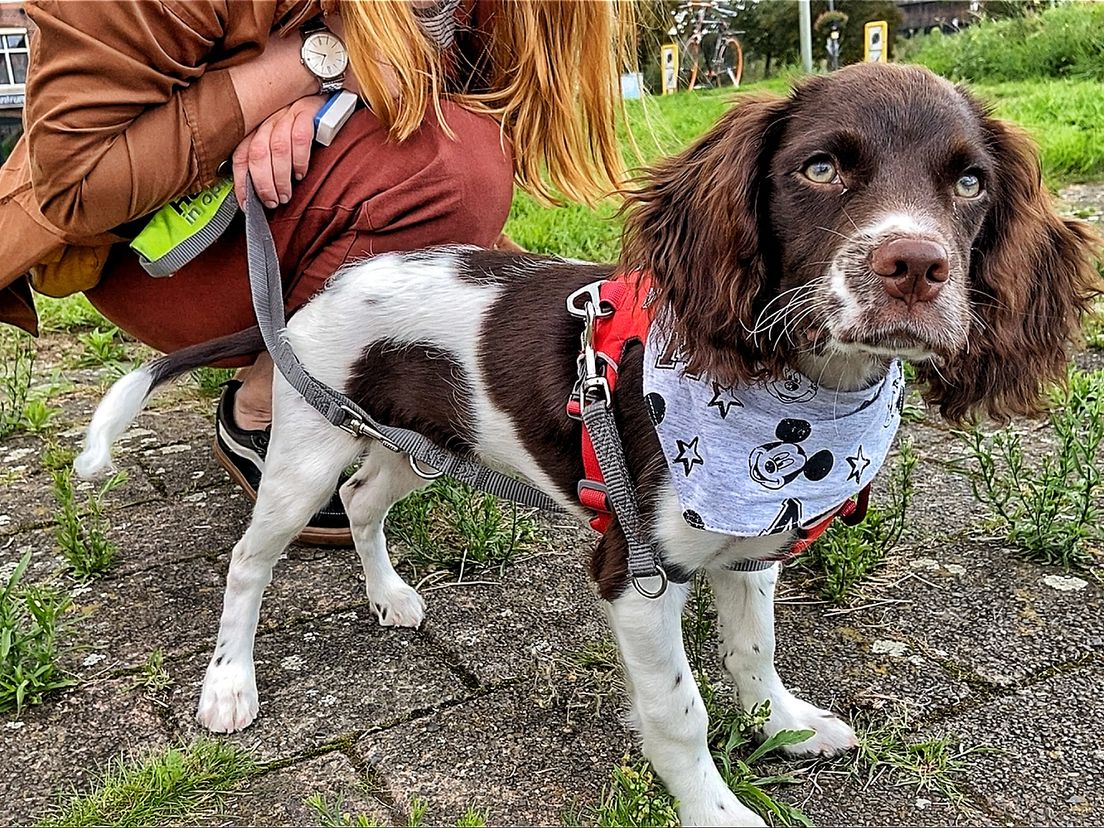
416	466
662	574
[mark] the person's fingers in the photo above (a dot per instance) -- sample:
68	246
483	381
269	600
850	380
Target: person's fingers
260	165
302	137
240	161
280	150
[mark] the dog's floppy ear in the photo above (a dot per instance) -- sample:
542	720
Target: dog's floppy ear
694	223
1032	279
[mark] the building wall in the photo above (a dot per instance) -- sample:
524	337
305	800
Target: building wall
12	16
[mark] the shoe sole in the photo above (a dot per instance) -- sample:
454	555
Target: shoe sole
311	536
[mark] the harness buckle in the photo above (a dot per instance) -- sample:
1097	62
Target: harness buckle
588	296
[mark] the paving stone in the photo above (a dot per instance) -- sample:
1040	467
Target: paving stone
838	800
981	609
279	797
1048	767
327	678
53	748
521	763
540	608
176	607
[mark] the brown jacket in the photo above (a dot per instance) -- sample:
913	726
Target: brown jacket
129	105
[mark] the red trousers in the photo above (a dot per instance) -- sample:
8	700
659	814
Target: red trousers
364	194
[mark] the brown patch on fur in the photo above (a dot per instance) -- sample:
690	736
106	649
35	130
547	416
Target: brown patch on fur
695	222
416	386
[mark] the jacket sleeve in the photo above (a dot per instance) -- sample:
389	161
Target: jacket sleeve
123	114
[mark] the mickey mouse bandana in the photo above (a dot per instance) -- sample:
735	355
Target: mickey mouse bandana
770	456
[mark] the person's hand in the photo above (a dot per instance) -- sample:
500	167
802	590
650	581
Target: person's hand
276	151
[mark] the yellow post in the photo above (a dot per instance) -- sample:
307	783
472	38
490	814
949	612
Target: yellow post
876	42
669	64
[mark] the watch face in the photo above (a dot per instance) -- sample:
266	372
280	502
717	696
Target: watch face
324	54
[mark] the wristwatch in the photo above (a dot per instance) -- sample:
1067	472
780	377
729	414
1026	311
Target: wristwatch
325	56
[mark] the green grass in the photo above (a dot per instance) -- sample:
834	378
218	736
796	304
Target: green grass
82	533
161	788
889	748
846	555
450	527
17	360
634	796
103	347
332	814
154	677
30	619
1050	507
1064	42
69	314
210	380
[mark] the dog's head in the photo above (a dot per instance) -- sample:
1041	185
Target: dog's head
878	211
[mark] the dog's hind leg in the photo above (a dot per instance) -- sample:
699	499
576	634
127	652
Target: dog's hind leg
745	611
668	708
304	461
383	479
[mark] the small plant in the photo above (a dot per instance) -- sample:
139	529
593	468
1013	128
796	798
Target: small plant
845	555
69	314
161	788
889	748
210	380
451	527
37	414
1048	509
154	677
1094	326
16	370
83	539
334	815
635	797
102	346
30	620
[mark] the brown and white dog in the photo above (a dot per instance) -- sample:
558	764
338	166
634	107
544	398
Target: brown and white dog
873	213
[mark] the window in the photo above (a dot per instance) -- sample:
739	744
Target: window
13	57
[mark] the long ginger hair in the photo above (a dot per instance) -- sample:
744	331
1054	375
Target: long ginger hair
549	75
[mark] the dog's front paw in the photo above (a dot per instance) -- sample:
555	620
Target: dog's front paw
722	809
831	734
229	698
396	604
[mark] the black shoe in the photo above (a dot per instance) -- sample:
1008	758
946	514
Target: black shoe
242	454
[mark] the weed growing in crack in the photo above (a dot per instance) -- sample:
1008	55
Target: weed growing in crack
16	370
154	677
889	748
1048	509
83	538
582	680
160	788
636	797
333	815
30	620
451	527
845	555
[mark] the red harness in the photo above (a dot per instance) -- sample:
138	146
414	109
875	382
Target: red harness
625	322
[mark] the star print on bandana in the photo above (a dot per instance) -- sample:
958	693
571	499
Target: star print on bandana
858	463
723	405
688	455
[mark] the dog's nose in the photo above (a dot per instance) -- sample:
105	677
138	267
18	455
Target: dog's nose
911	269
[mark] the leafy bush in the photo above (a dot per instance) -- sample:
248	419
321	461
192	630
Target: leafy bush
1064	42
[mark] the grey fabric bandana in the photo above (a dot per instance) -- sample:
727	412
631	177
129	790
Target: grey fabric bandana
767	457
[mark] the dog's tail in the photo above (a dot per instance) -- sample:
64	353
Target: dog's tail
127	397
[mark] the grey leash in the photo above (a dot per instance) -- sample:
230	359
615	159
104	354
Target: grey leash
268	303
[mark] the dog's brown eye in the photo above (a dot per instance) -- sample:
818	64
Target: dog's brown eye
968	186
821	171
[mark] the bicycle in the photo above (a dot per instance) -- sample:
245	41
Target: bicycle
710	53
